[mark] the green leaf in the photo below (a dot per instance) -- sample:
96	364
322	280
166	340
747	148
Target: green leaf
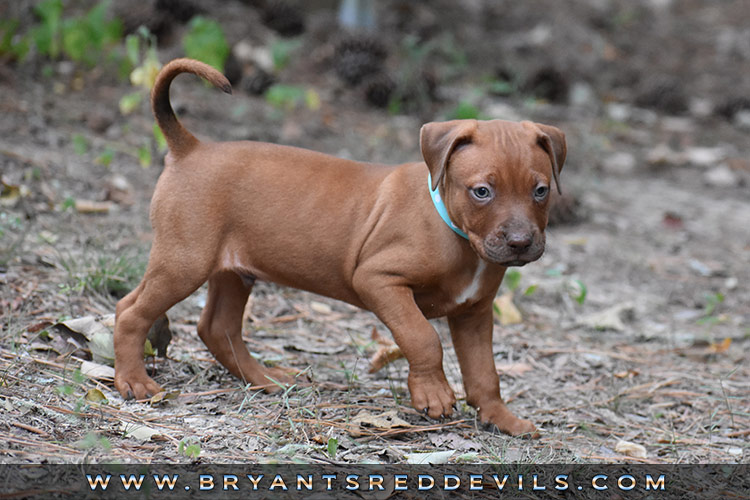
144	156
465	111
80	144
133	48
129	102
333	446
47	34
206	42
285	97
106	157
281	52
530	290
148	349
161	141
512	279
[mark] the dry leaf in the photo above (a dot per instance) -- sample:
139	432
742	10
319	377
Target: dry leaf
382	421
721	346
97	371
513	369
630	449
93	207
387	353
320	307
434	458
163	397
506	310
95	396
138	431
610	318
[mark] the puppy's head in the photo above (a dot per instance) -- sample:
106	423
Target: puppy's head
496	178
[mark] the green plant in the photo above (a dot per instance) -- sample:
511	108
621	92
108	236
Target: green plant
108	275
206	42
189	447
512	279
465	110
281	52
713	301
81	39
333	446
288	97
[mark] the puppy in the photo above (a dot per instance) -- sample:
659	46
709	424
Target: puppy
410	242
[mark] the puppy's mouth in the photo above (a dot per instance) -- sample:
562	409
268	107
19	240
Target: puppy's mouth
506	256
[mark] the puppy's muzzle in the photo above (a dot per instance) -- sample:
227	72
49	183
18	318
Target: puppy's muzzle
514	246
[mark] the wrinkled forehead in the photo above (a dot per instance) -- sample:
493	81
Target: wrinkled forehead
499	143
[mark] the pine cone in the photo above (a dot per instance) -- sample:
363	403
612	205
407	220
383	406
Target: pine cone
356	57
379	89
181	11
283	18
258	82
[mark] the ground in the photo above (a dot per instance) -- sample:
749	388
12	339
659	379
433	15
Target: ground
635	323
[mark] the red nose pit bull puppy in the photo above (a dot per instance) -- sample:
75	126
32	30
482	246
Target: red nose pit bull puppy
409	243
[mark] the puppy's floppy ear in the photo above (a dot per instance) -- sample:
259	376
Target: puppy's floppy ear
552	139
438	140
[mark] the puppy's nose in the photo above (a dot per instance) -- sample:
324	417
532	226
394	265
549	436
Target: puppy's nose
518	241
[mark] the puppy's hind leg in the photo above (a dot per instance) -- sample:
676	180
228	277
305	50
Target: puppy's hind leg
165	283
220	328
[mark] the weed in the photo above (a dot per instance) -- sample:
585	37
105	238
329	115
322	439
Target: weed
108	276
288	97
206	42
465	110
713	301
512	279
333	446
94	441
281	52
83	39
189	447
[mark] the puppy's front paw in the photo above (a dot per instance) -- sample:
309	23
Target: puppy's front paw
431	394
278	378
501	417
136	386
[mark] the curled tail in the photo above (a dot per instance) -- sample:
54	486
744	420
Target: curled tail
179	139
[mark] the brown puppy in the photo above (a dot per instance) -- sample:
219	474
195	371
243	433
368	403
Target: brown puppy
370	235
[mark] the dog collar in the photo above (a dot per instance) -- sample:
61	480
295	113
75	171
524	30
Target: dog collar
437	200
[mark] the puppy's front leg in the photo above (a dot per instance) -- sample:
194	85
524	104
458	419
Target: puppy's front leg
472	339
418	340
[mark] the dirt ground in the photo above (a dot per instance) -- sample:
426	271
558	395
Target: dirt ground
635	323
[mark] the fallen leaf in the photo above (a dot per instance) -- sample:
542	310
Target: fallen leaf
630	449
387	353
97	371
626	374
95	396
138	431
513	369
159	335
608	319
93	207
720	347
320	307
506	310
382	421
163	397
433	458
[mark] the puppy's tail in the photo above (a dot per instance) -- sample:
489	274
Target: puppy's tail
179	139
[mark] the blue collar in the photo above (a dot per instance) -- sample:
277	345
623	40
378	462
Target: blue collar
437	200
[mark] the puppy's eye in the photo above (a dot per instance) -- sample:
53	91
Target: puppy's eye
481	192
540	193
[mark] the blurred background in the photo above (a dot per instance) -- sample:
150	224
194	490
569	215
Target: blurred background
635	322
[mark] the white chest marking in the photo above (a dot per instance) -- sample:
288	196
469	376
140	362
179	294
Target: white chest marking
472	288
